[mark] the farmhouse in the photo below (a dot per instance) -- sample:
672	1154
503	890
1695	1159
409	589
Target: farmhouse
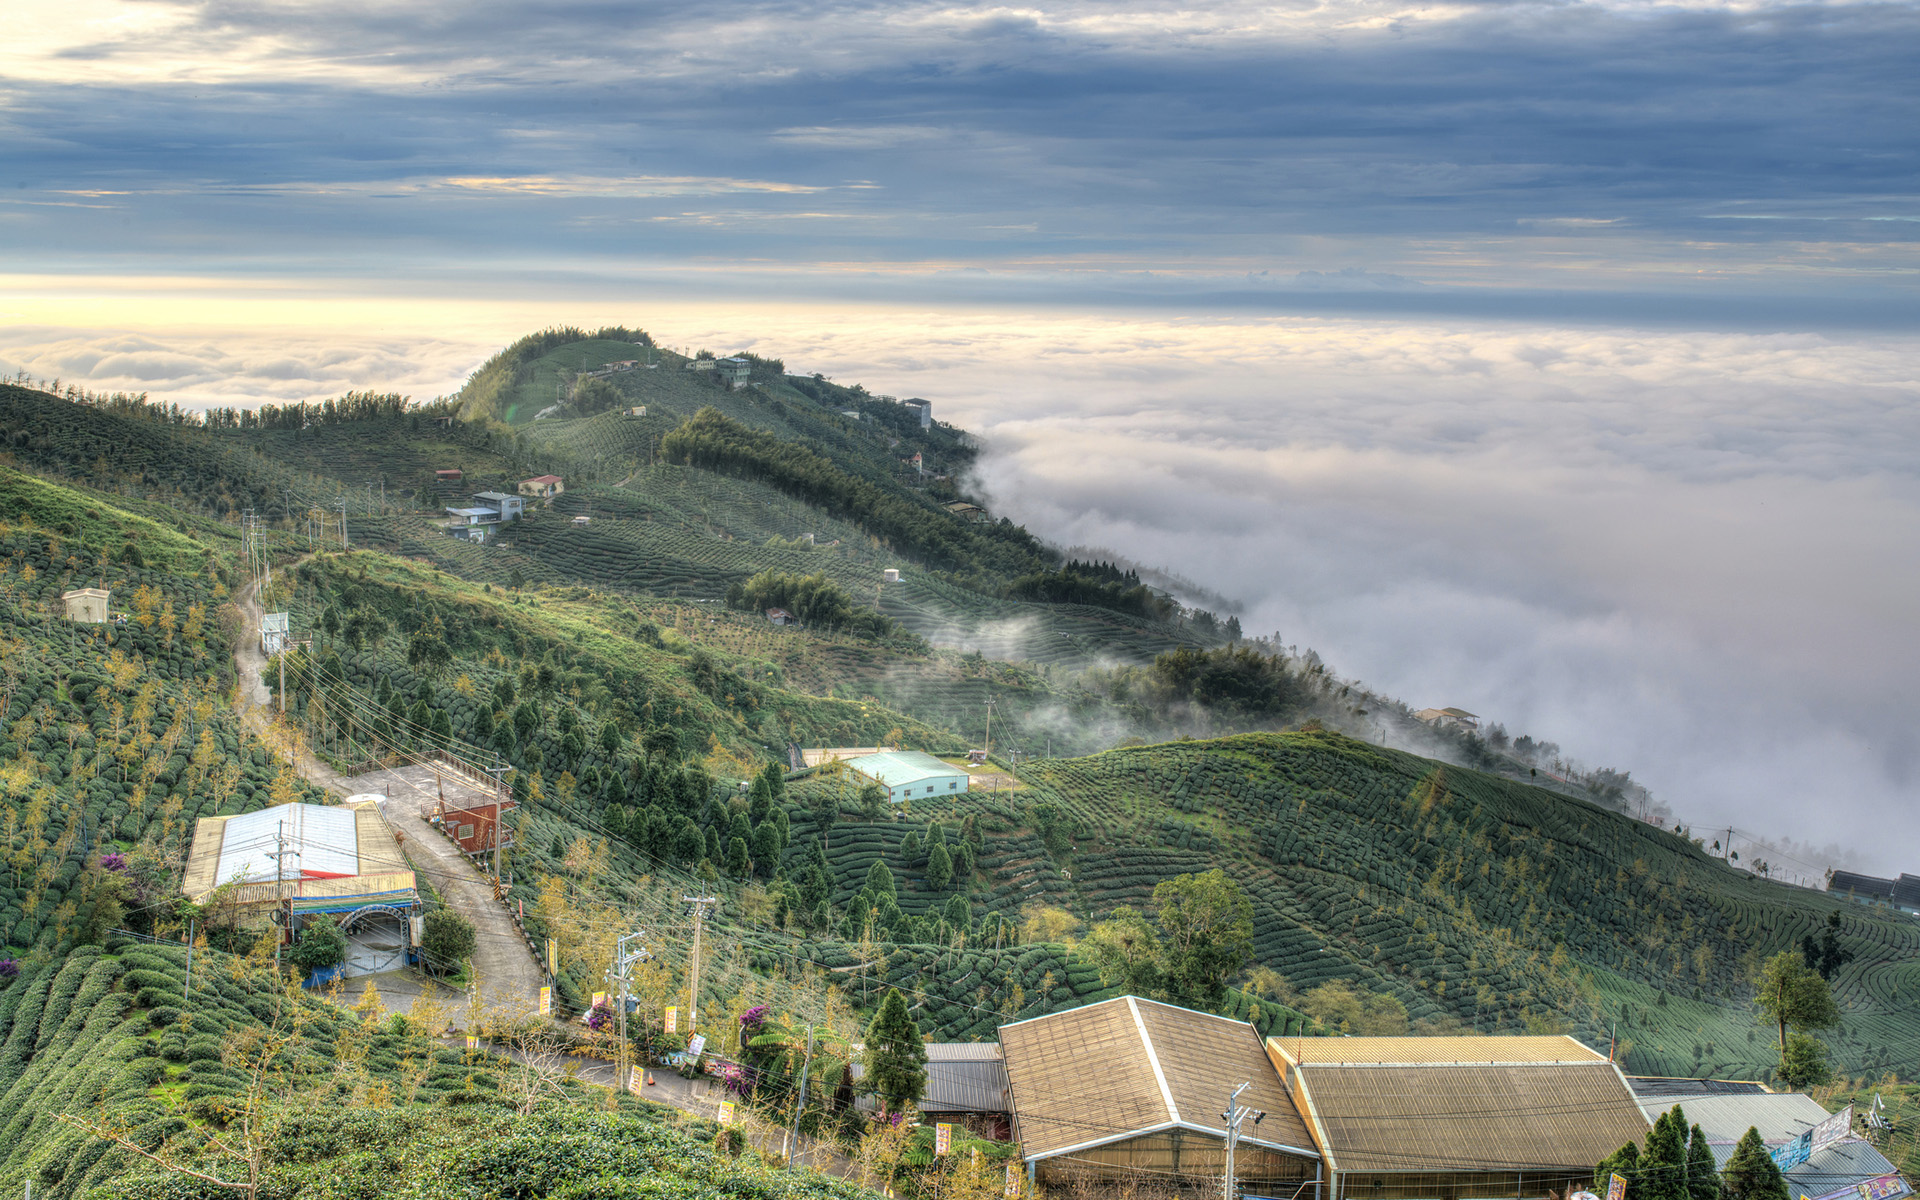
779	616
734	372
307	858
925	410
542	487
450	475
1451	718
967	512
1448	1118
87	605
1131	1091
638	410
480	520
909	773
890	575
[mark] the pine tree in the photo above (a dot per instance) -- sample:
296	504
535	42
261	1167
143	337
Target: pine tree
939	867
1663	1164
759	800
1624	1162
879	880
1751	1173
896	1058
737	860
1703	1179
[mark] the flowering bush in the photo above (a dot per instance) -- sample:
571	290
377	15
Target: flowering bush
113	862
599	1017
9	967
751	1021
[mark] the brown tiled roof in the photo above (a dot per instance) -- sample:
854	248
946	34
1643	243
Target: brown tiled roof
1447	1117
1557	1048
1119	1068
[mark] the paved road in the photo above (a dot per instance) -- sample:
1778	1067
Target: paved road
508	976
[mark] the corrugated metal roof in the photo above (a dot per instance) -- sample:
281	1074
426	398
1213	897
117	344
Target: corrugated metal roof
1123	1067
1448	1117
1779	1116
1654	1087
896	767
963	1052
1841	1165
963	1086
1528	1049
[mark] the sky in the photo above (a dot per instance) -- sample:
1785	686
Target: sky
1558	361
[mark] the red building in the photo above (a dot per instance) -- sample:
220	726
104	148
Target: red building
472	828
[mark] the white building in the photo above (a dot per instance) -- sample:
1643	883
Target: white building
87	605
909	773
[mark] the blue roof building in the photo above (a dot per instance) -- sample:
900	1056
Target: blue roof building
909	773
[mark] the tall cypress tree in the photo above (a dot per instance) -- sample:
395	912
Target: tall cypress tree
1703	1178
896	1058
1624	1162
1663	1164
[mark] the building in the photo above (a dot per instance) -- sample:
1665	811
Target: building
967	512
308	858
1451	718
1902	893
87	605
274	628
736	373
479	521
471	827
582	520
638	410
701	364
779	616
966	1086
542	487
1449	1118
925	410
890	575
450	475
1817	1150
909	773
1130	1091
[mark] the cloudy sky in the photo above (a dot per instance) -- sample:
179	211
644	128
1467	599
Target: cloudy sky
1560	361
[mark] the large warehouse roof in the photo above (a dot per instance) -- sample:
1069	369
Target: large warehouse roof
1121	1068
1549	1049
1431	1117
337	858
897	767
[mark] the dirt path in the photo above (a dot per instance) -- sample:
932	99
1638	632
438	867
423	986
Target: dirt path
508	977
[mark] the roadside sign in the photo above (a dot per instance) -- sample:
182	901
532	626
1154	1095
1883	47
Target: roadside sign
546	1001
473	1043
1617	1187
1013	1179
673	1019
698	1045
726	1112
942	1139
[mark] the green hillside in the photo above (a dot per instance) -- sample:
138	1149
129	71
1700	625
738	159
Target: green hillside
602	661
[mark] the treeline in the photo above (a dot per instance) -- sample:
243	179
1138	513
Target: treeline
814	600
483	394
353	406
1236	685
1099	584
717	443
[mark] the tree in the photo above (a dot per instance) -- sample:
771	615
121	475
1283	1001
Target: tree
320	946
1703	1179
879	880
776	777
958	913
1342	1010
738	862
1790	993
873	801
1803	1064
825	807
446	938
1206	927
1126	952
1751	1173
1663	1163
1624	1162
896	1058
939	868
766	847
759	800
1826	955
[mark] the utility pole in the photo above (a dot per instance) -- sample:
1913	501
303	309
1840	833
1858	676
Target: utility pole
693	982
800	1105
279	857
623	960
989	746
186	987
342	503
499	774
1235	1114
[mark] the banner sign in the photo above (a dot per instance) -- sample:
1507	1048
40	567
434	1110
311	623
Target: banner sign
726	1112
546	1001
1617	1187
636	1082
942	1139
553	957
698	1045
473	1043
1883	1188
1013	1179
673	1020
1793	1153
1831	1130
599	1000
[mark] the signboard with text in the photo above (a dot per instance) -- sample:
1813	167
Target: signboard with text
726	1112
1013	1179
942	1139
473	1043
1617	1187
546	1001
1831	1130
698	1045
673	1020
